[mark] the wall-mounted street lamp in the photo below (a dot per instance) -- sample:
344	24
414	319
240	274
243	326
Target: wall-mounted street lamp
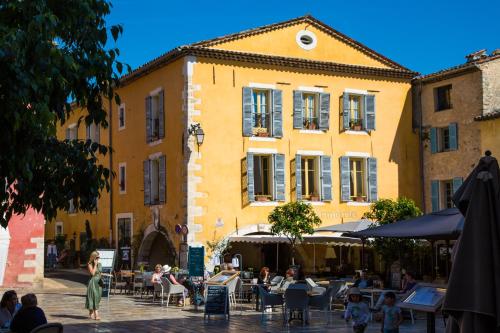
196	131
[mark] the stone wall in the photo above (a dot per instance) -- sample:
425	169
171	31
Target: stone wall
491	85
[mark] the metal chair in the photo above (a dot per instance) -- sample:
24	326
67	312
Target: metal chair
170	289
276	282
296	299
268	300
138	284
233	289
322	302
48	328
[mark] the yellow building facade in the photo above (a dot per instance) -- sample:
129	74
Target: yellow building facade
290	111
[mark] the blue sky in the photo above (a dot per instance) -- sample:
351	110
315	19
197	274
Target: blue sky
423	35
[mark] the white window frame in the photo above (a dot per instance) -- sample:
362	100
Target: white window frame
271	175
124	216
364	156
317	165
59	224
124	165
71	210
120	109
92	132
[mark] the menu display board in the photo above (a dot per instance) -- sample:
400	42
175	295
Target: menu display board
107	260
223	278
196	261
217	301
425	297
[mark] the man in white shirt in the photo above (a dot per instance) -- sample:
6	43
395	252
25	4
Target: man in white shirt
52	255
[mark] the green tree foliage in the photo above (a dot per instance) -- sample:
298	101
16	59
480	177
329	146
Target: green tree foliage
52	53
386	211
293	220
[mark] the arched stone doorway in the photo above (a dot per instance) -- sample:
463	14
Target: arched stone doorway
157	248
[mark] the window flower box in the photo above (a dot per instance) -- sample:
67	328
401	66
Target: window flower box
262	198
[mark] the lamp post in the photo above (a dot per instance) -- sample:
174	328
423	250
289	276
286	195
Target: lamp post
196	131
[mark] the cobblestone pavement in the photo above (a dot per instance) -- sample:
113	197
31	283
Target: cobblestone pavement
127	313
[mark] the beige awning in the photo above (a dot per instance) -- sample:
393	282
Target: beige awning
316	238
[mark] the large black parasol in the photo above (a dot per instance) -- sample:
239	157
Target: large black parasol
473	295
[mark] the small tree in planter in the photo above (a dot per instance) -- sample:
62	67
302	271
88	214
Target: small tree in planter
293	220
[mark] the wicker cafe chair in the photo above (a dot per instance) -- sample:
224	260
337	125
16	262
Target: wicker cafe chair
168	288
48	328
269	300
322	302
296	300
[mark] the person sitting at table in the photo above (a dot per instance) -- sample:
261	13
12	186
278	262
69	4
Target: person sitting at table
289	279
8	307
173	280
264	277
408	283
29	317
363	281
156	277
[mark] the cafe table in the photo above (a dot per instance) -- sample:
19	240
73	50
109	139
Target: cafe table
371	293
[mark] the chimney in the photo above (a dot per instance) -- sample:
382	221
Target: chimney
474	56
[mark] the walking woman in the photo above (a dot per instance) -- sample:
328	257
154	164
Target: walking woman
94	288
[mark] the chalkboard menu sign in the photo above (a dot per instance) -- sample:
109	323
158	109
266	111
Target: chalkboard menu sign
217	302
107	259
196	261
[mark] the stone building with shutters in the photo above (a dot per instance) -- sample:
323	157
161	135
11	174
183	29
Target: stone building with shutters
290	111
457	110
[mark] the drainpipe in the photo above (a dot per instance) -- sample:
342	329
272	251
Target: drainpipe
110	138
421	143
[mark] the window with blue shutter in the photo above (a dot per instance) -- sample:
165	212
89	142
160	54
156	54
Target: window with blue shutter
277	114
324	111
457	182
297	110
247	111
435	195
162	179
346	111
149	102
453	134
161	115
369	112
147	182
279	177
68	133
372	179
298	177
345	179
434	140
326	178
250	178
97	133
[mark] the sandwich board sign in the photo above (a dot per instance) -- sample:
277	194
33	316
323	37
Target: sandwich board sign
196	261
107	259
217	302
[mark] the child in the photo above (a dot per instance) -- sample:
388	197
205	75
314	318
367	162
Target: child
392	314
357	310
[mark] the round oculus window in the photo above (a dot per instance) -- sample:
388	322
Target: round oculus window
306	39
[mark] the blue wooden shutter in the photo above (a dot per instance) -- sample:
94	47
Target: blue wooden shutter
435	195
345	179
457	182
346	111
434	141
161	114
250	178
372	179
148	118
147	182
298	177
162	178
279	177
324	111
297	109
247	111
369	112
452	130
326	178
68	133
277	114
87	132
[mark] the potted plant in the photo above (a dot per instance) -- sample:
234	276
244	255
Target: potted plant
263	134
312	125
314	197
356	124
260	197
359	198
